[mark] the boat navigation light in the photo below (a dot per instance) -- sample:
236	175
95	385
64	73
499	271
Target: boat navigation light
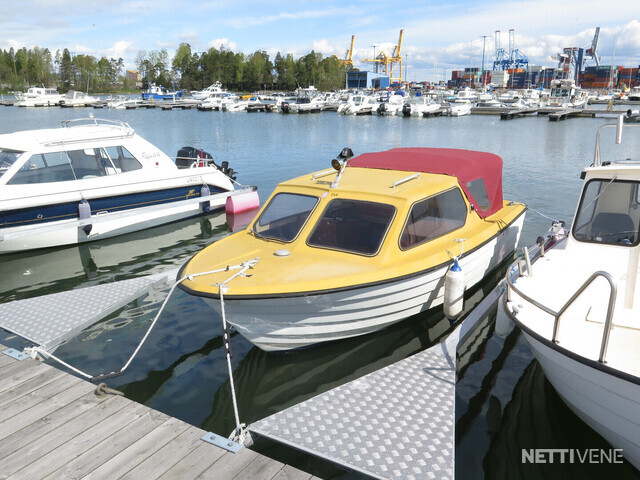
335	163
346	153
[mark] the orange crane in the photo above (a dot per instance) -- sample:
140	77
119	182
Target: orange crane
386	64
348	58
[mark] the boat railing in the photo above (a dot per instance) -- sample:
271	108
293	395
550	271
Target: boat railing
557	315
124	130
95	121
619	125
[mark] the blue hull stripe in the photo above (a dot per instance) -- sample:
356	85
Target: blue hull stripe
66	211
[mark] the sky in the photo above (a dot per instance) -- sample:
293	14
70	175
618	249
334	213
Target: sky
438	36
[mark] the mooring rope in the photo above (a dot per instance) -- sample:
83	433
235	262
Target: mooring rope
243	267
534	211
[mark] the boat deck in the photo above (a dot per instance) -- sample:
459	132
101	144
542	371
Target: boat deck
53	425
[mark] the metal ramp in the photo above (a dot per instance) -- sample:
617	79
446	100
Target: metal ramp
49	320
394	423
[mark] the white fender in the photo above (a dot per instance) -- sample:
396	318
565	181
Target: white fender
453	291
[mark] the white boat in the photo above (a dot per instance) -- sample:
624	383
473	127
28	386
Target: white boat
459	109
393	106
360	105
465	95
308	100
420	106
74	98
122	102
531	96
39	97
237	105
578	304
634	94
94	179
565	94
214	89
510	96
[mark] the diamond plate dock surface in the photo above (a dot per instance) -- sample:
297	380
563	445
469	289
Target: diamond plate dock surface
51	319
397	422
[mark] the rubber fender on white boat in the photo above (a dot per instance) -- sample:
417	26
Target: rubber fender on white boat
242	203
84	213
205	192
453	291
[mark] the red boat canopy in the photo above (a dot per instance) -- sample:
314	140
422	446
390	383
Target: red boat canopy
479	173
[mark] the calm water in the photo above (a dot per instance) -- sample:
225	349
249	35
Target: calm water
503	401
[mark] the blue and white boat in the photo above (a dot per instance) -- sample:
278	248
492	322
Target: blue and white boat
93	179
156	92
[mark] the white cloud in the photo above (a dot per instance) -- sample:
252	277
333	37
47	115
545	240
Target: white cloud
223	42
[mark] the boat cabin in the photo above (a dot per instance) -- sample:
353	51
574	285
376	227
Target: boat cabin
357	212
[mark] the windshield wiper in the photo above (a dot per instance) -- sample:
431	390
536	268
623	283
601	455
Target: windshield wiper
264	237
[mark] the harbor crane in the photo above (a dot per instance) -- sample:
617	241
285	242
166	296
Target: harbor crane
571	60
592	51
386	63
348	57
513	58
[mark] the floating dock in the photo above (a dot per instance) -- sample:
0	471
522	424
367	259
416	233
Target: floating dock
394	423
49	320
53	425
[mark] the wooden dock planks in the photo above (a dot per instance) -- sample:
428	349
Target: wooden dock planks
52	426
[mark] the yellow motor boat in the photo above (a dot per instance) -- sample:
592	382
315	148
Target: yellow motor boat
351	250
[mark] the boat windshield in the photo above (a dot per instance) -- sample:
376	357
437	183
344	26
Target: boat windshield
353	225
608	213
284	216
8	158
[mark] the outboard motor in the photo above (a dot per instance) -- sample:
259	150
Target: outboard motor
406	110
381	109
187	156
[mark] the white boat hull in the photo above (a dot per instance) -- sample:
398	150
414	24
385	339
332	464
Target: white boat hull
104	225
298	320
608	404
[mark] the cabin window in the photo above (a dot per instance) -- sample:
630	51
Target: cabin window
64	166
353	226
123	159
91	162
478	191
608	213
44	168
284	216
433	217
7	159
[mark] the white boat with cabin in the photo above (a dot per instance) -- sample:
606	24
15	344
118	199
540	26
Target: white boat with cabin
577	301
465	95
214	89
360	105
565	94
420	106
75	98
93	179
38	97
